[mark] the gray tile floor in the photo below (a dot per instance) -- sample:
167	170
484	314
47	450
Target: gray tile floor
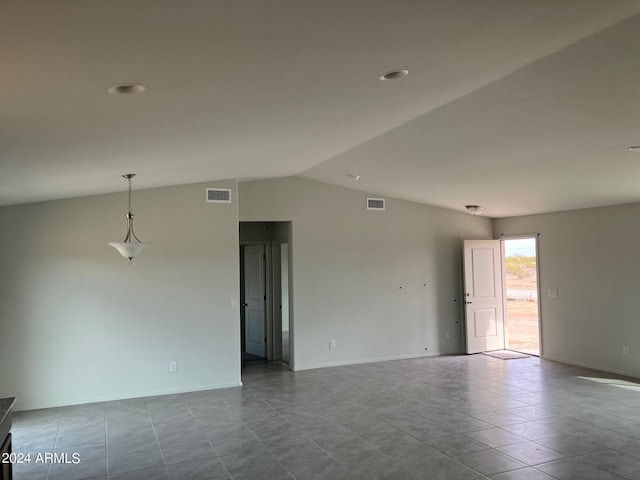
440	418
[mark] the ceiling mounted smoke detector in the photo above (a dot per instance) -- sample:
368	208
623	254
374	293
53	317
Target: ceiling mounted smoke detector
126	88
475	209
393	74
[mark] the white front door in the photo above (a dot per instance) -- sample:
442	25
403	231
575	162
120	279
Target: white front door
484	308
254	300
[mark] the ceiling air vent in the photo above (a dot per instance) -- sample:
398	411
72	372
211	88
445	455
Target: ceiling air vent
375	203
218	195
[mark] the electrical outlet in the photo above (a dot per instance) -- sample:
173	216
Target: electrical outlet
625	350
234	302
332	344
447	334
553	292
173	366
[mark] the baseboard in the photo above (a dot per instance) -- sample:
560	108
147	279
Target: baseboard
599	368
108	398
367	360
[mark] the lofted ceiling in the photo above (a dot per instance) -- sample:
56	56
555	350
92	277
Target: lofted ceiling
521	106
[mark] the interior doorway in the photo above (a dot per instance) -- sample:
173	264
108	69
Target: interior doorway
520	273
266	327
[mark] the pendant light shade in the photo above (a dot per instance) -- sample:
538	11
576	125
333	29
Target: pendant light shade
129	249
131	246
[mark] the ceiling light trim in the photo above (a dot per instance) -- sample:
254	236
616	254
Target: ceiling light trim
127	89
394	74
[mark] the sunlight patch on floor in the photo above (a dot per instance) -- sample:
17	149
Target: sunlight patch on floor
615	382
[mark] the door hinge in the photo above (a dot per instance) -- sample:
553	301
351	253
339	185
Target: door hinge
265	339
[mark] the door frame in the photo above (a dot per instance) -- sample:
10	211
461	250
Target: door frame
277	297
536	237
463	309
268	288
276	311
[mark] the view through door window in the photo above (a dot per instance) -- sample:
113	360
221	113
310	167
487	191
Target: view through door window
521	284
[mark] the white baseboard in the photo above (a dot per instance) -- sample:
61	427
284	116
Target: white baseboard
108	398
367	360
600	368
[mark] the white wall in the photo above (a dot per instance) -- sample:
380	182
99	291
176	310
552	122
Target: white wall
79	324
591	257
348	265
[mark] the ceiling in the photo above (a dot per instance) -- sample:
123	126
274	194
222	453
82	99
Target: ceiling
521	106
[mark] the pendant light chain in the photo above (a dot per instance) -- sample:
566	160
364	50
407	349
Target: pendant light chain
130	233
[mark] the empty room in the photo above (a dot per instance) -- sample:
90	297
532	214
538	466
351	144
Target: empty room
373	240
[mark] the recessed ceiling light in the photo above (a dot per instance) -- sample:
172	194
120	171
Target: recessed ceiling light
634	148
354	176
127	88
393	74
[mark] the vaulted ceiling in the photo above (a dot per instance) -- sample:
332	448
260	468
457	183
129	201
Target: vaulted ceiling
522	106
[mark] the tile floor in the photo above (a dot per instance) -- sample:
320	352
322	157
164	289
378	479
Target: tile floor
440	418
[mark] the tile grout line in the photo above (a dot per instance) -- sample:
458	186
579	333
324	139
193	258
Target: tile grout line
155	433
55	441
208	440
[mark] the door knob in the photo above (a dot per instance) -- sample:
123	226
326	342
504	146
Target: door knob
245	304
468	303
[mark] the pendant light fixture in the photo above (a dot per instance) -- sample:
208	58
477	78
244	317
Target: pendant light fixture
132	245
475	209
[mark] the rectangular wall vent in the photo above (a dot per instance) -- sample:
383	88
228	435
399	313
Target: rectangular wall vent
218	195
375	203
